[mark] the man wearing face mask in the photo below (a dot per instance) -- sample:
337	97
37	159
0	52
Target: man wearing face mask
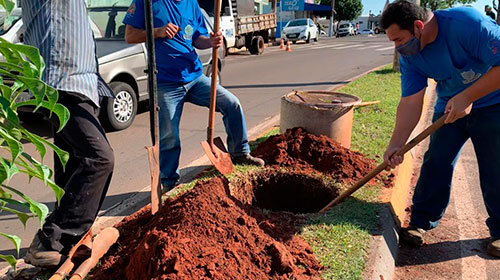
460	49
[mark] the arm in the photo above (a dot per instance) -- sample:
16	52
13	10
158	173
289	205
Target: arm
407	117
134	35
204	42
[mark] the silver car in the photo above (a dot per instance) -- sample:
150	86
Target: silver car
122	66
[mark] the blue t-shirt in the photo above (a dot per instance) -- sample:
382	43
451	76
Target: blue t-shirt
176	58
466	47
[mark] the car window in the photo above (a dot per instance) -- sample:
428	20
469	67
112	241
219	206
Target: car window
108	22
7	22
299	22
345	25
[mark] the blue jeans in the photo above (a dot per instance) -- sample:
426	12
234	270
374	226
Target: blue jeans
432	193
171	98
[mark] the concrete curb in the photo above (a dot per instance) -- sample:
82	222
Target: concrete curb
384	245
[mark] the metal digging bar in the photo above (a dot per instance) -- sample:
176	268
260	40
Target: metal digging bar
153	151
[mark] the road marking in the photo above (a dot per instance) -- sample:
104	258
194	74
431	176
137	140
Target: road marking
369	47
326	46
384	49
470	220
350	46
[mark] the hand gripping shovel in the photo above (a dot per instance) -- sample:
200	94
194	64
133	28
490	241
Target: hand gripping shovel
428	131
214	148
153	151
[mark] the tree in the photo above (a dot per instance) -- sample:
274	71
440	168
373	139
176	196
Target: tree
21	70
346	9
495	6
443	4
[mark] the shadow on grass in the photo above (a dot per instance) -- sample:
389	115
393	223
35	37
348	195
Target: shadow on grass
384	71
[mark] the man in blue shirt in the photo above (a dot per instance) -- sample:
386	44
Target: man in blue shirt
460	49
61	31
179	28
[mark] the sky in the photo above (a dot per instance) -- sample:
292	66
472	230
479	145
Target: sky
376	5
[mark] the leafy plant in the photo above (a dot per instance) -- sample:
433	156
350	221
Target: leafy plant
21	70
346	9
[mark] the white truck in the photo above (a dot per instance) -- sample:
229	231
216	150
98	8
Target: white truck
241	26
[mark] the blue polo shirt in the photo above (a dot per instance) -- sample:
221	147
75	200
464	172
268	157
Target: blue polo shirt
466	47
176	58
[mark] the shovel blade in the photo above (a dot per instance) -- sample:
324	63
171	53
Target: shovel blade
154	168
218	155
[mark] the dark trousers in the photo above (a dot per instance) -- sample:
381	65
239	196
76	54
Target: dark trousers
432	193
86	177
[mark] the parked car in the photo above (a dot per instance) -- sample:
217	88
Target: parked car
121	65
346	29
366	32
301	29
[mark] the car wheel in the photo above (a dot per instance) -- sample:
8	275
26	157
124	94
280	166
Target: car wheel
308	38
118	113
317	37
377	31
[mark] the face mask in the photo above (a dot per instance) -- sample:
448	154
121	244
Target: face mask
410	48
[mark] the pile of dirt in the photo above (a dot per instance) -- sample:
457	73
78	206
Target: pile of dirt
205	233
299	149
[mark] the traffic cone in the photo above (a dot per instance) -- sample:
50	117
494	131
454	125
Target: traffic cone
282	46
288	49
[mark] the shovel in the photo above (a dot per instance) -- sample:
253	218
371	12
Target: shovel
428	131
214	148
153	151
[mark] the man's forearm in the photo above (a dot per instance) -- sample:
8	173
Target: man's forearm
407	117
202	42
135	36
488	83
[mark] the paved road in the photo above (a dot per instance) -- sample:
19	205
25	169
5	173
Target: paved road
258	81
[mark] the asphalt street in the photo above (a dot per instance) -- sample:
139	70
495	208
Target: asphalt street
258	82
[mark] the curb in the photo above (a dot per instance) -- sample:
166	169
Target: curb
384	248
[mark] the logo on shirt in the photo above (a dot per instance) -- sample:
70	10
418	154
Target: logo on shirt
493	46
131	9
188	32
470	76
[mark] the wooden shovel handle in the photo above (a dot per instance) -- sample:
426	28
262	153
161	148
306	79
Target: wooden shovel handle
215	70
428	131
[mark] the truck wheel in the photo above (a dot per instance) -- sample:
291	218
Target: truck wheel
257	45
308	38
377	31
118	113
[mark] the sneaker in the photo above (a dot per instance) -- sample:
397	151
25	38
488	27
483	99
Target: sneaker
413	235
494	247
39	256
247	159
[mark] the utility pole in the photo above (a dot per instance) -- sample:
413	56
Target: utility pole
330	31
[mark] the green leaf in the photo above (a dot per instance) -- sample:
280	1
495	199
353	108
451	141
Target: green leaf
40	172
18	203
23	217
9	169
35	139
10	259
30	52
61	112
39	209
15	146
14	239
7	5
59	192
6	92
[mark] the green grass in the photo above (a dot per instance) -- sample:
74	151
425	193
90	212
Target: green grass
373	124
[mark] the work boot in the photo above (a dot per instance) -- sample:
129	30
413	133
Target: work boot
494	247
413	235
40	256
248	160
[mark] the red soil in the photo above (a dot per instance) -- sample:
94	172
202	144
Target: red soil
207	234
301	150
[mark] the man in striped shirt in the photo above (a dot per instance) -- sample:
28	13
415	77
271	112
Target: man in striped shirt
61	30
